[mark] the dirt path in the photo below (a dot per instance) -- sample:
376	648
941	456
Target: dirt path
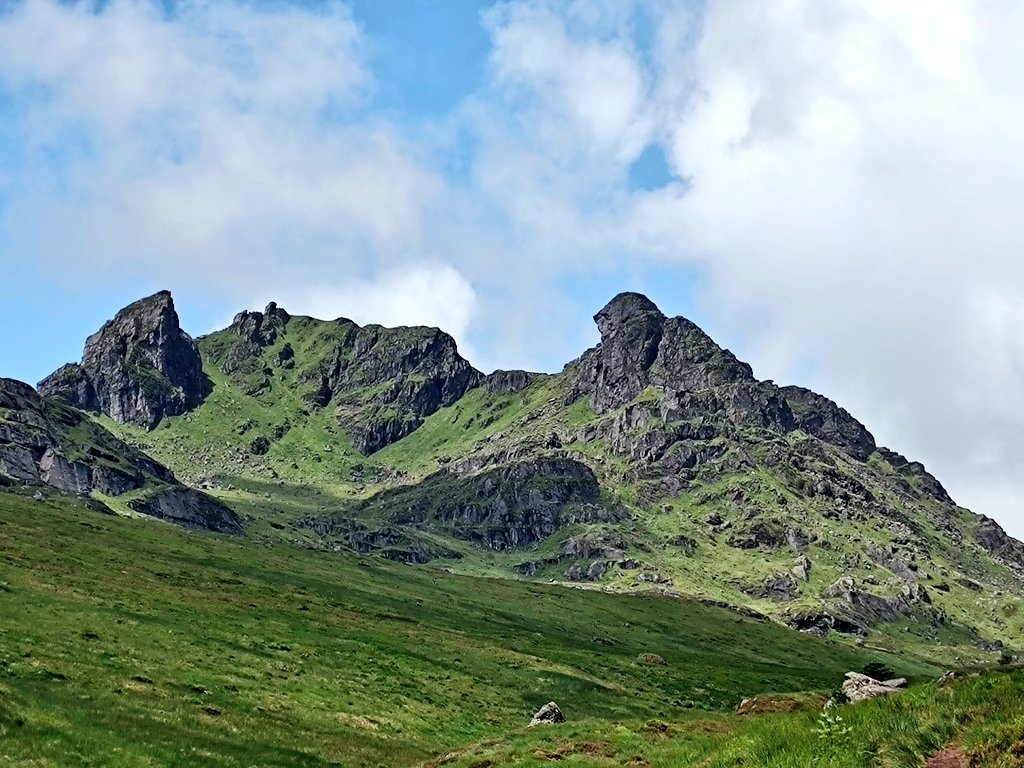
950	757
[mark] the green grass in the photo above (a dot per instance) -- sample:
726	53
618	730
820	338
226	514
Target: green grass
982	715
133	643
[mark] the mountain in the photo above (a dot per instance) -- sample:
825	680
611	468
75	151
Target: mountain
45	444
654	461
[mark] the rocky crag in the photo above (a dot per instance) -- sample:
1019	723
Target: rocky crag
137	369
46	444
656	460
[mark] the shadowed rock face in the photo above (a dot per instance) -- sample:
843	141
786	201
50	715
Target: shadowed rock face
692	377
817	415
508	507
640	347
137	369
189	508
45	442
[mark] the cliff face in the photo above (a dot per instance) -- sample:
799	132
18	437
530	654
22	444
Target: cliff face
137	369
46	443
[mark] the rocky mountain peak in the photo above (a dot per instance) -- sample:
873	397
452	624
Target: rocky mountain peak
138	368
641	348
628	311
261	328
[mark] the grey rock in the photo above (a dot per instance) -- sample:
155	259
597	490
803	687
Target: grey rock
818	416
137	369
802	569
905	570
858	687
64	475
640	347
921	480
995	540
547	715
503	507
597	570
189	508
775	588
502	382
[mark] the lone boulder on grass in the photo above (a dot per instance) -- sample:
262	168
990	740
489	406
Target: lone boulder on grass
549	713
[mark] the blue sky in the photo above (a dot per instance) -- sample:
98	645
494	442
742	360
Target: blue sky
831	190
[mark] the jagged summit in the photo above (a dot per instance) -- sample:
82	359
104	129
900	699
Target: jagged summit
641	347
138	368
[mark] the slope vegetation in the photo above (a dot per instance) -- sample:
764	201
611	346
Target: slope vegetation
124	642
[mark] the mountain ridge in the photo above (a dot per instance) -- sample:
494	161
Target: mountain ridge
705	479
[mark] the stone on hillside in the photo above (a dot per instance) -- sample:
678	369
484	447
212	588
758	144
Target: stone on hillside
548	714
597	570
802	569
651	660
897	682
858	687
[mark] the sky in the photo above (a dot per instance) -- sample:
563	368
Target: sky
832	190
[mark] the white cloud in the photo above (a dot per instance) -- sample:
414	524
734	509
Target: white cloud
224	145
855	170
853	184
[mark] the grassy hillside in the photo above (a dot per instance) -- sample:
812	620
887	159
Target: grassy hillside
134	643
978	721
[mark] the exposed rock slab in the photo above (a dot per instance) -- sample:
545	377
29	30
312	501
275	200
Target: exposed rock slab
191	509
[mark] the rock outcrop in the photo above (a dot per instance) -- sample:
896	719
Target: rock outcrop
504	507
137	369
189	508
818	416
45	442
858	687
698	389
640	347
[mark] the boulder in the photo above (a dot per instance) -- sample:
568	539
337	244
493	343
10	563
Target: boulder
547	715
858	687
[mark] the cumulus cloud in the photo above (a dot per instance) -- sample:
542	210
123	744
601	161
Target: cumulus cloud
417	294
854	172
222	146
